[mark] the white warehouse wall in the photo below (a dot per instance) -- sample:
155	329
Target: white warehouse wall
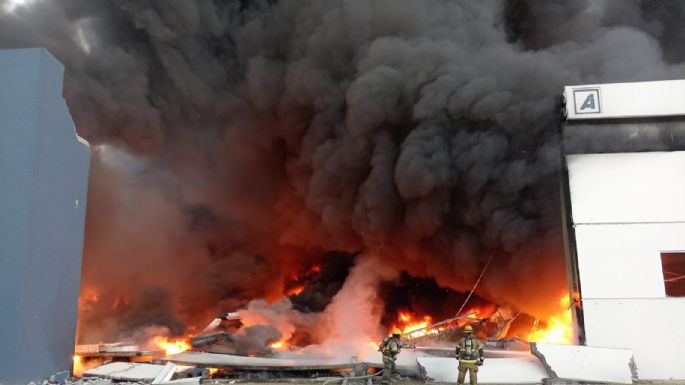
626	210
627	188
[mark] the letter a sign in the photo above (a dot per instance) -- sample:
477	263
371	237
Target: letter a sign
587	101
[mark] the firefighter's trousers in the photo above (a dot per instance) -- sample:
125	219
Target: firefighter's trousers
388	368
472	368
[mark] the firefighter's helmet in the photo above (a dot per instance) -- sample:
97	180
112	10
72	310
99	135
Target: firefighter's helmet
396	331
468	329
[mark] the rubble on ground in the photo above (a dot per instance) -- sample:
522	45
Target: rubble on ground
130	371
508	361
127	373
504	365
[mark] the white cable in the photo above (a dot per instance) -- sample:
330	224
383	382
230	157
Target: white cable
482	273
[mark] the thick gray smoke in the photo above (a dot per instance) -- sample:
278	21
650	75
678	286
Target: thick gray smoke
237	141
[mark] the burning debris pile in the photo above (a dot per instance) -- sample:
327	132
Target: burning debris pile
265	329
226	347
492	323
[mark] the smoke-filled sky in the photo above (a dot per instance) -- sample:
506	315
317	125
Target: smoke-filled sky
238	142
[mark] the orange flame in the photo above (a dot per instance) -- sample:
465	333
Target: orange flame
78	368
408	322
295	290
559	329
171	347
479	312
299	279
279	345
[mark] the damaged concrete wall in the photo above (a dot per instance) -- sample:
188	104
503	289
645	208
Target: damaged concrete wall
586	364
627	208
43	184
524	370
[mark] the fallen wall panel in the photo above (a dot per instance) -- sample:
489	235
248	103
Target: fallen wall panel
128	371
215	360
527	370
585	363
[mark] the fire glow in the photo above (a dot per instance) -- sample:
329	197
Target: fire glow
88	298
278	345
78	367
298	280
411	324
559	329
171	347
294	291
556	329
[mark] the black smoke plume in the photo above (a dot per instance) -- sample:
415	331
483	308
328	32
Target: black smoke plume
236	142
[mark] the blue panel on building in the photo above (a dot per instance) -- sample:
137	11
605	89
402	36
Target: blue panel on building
43	189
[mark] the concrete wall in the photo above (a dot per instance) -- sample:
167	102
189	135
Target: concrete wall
627	209
43	185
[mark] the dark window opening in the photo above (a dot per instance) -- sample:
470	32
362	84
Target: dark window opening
673	265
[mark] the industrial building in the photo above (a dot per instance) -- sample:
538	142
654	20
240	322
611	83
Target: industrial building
44	181
625	219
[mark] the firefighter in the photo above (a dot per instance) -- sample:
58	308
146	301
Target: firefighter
390	348
469	352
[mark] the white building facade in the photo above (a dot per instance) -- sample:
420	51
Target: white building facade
624	150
